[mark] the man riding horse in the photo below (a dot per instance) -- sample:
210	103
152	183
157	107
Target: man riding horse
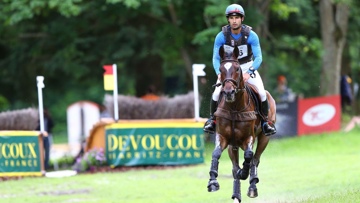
250	58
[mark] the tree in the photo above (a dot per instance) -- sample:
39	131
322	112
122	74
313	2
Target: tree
156	42
334	23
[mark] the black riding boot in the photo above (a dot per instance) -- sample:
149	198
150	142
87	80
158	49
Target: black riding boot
209	126
266	127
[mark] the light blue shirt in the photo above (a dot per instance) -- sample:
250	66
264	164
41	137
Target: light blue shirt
253	41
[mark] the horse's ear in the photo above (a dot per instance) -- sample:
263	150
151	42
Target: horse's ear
236	52
221	52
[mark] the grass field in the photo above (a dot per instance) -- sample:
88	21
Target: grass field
318	168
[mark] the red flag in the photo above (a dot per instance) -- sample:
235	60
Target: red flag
108	69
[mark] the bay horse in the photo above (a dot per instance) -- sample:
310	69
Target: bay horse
238	125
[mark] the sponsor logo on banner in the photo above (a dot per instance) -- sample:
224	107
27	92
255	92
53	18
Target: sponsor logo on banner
320	114
20	153
154	144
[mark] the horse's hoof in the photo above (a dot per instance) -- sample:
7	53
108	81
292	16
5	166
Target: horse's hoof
252	192
236	200
213	186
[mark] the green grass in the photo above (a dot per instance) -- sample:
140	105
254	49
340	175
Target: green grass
318	168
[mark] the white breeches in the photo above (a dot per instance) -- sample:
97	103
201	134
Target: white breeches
257	82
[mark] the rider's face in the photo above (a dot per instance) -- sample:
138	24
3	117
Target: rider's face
235	21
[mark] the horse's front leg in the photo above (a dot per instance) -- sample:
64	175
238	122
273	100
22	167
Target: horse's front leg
213	184
243	173
252	191
234	156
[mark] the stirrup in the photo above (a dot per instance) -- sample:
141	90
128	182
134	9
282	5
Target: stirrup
270	130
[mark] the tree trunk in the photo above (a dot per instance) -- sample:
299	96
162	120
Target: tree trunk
334	23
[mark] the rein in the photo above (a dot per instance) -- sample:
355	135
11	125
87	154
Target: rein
233	82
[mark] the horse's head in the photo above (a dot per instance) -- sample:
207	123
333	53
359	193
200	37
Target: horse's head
231	74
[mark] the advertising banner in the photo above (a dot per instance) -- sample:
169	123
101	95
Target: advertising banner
130	144
21	153
320	114
286	119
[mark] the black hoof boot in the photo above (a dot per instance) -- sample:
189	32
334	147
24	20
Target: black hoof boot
213	186
242	174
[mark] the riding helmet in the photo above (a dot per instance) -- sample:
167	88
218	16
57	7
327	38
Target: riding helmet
234	9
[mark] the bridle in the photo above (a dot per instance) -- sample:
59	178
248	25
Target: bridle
236	86
233	82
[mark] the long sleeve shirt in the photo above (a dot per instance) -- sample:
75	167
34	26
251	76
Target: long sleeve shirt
253	40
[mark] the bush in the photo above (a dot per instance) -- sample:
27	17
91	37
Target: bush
90	160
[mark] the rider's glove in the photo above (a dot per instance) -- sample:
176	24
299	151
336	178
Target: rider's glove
251	72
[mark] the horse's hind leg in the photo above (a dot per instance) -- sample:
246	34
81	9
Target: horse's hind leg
234	156
254	179
213	184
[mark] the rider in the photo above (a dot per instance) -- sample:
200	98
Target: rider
250	58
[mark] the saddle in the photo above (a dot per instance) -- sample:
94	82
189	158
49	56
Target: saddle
255	96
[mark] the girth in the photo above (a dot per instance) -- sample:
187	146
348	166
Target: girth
236	115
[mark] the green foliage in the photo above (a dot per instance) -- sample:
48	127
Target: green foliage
69	41
128	3
62	163
296	53
283	10
296	57
14	12
67	8
206	36
214	19
353	39
4	103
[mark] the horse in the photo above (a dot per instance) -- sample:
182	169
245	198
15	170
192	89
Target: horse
238	125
